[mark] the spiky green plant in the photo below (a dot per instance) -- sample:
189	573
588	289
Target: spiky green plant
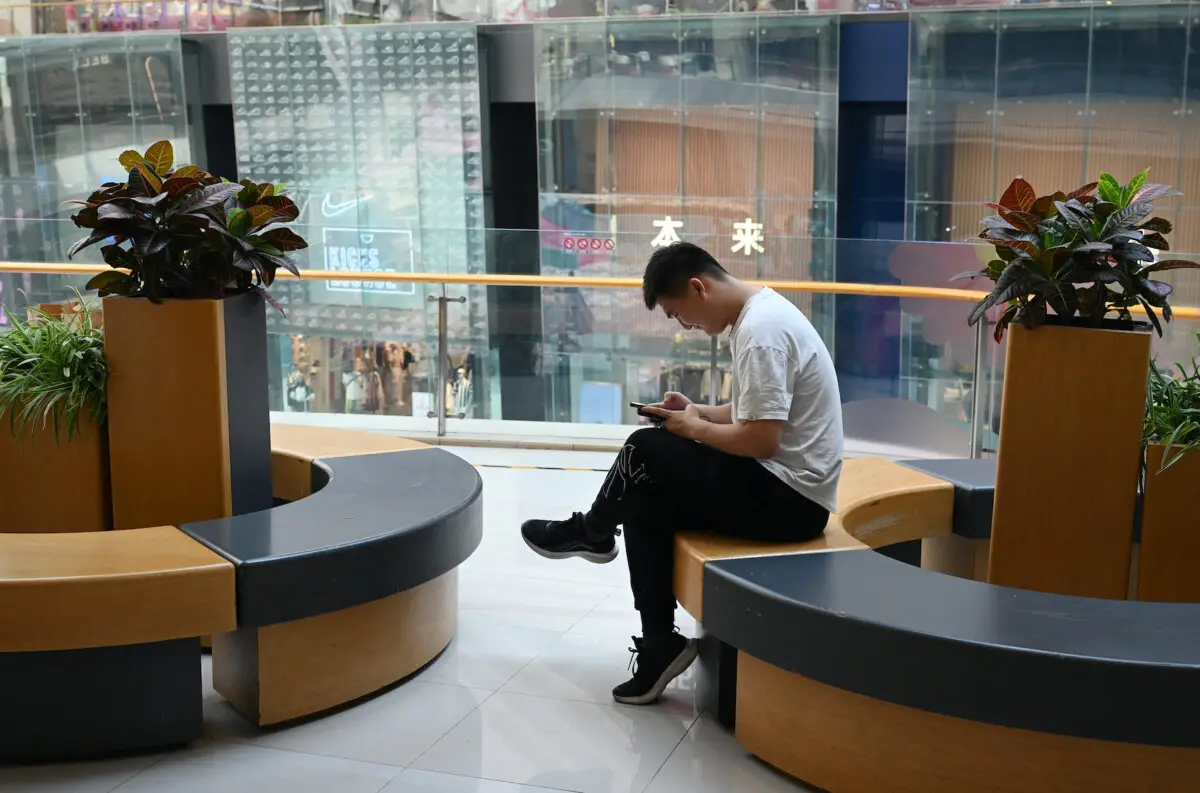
52	373
1173	411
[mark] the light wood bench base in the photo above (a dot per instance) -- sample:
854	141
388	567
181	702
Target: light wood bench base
291	670
849	743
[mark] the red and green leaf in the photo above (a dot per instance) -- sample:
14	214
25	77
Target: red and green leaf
285	208
1019	196
285	239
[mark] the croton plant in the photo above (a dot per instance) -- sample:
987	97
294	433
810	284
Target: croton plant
1084	254
184	233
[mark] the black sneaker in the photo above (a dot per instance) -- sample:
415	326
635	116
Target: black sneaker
562	539
654	667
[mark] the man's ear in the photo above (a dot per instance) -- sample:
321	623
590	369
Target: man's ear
699	285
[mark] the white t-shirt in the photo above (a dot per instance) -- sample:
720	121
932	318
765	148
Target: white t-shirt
782	372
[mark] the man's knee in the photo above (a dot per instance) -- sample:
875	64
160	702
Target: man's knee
654	443
655	448
645	437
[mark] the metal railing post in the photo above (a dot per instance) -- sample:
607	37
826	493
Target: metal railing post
982	334
443	355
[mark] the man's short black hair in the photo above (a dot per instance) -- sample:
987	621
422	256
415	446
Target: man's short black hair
671	268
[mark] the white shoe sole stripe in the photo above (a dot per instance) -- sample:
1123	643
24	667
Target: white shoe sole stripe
594	558
680	665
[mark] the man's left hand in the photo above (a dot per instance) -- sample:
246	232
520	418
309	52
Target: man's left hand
684	423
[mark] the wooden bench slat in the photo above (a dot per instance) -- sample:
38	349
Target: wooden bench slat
329	443
104	589
881	503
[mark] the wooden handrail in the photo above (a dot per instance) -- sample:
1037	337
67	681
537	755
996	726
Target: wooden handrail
579	282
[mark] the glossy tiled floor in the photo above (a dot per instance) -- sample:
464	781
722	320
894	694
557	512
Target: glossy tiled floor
519	703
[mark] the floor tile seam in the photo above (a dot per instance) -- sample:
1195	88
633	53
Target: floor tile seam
616	706
483	573
499	781
525	666
453	727
125	782
247	742
401	766
399	773
594	609
482	689
546	579
671	754
525	627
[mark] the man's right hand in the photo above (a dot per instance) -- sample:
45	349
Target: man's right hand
673	400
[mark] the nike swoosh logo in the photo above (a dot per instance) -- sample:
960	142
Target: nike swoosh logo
330	209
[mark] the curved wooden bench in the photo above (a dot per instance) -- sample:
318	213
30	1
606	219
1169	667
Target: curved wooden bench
354	586
860	674
311	604
881	503
105	622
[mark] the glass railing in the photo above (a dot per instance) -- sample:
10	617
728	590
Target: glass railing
544	335
66	16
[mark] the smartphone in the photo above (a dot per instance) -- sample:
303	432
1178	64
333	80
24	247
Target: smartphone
641	411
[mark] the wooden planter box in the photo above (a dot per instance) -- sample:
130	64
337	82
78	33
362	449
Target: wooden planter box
49	486
1169	561
188	409
1069	458
69	310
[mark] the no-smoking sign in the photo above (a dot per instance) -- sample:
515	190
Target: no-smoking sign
580	243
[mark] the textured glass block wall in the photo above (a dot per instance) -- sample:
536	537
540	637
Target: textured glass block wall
70	105
376	131
652	130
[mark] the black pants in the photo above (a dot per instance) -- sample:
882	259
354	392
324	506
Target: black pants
662	484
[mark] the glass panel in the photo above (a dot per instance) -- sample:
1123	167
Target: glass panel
721	121
71	106
645	132
158	105
1041	113
574	92
1114	98
1137	92
673	127
906	370
952	95
944	222
905	365
200	15
798	72
254	13
360	107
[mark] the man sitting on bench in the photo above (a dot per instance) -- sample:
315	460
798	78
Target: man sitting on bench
764	467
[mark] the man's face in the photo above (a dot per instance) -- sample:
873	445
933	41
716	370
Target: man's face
692	309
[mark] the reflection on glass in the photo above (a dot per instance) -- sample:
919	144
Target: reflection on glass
988	102
907	386
376	130
207	15
952	96
71	105
906	380
716	130
1056	96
